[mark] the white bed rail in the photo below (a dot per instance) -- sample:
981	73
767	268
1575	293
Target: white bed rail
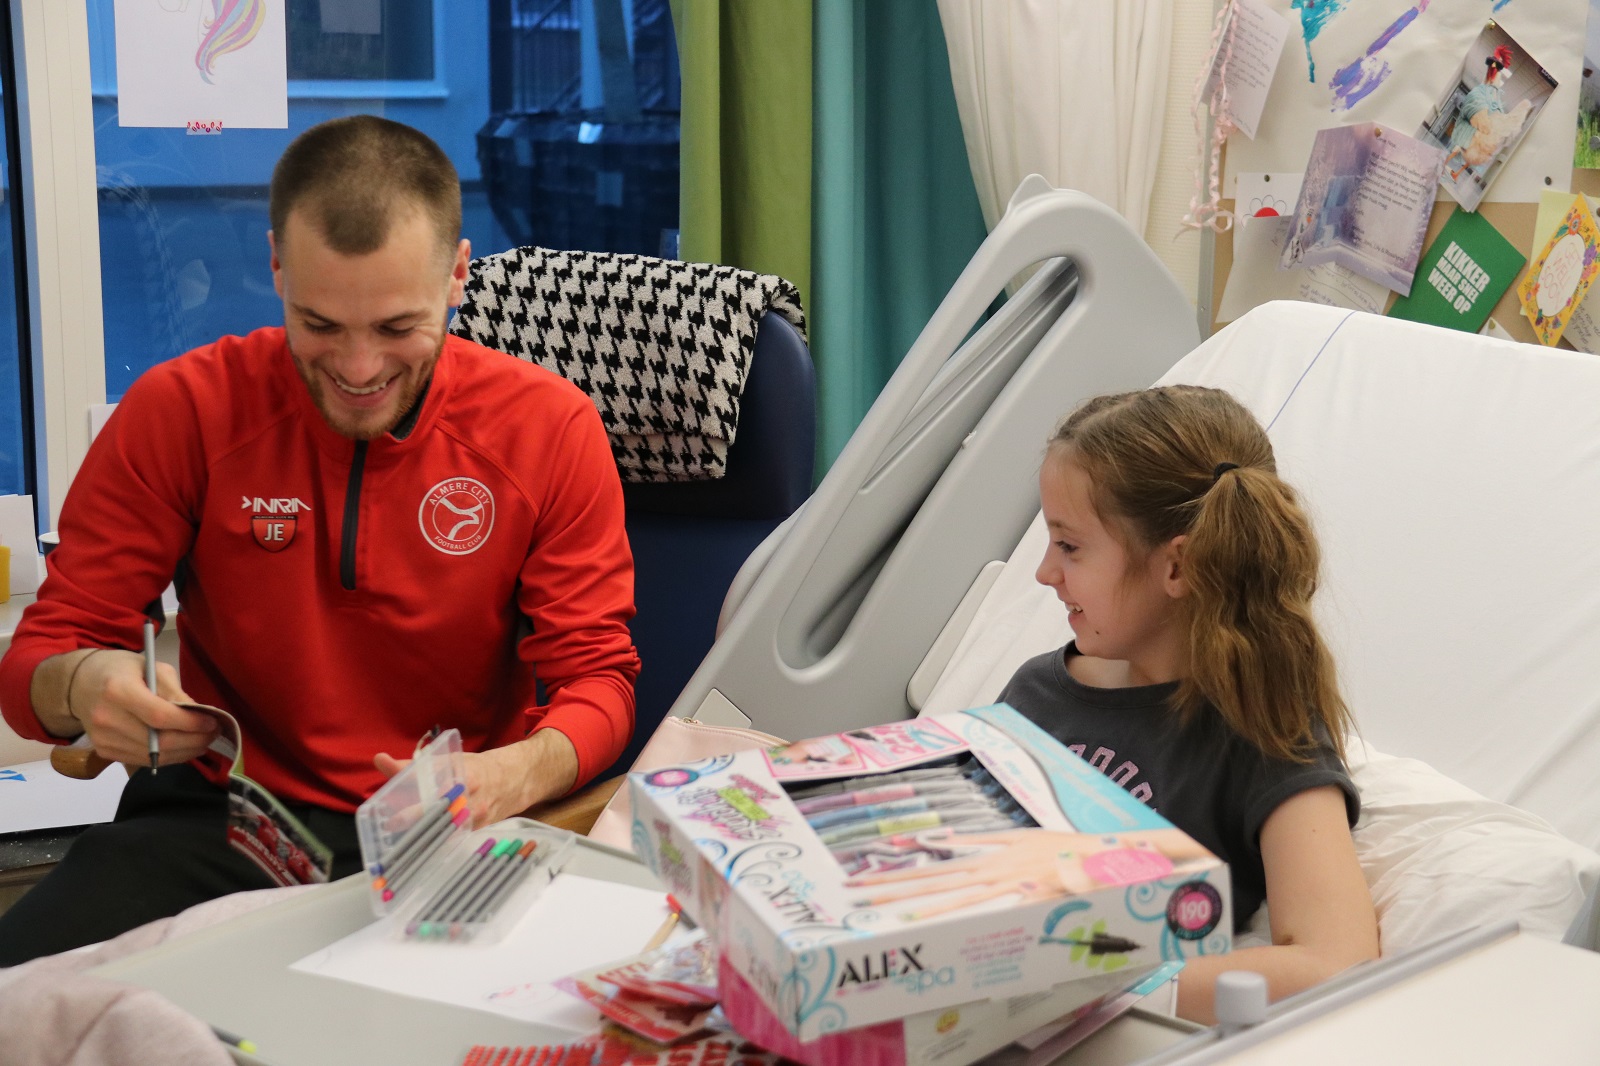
831	619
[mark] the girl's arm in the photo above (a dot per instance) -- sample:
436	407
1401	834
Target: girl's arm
1321	910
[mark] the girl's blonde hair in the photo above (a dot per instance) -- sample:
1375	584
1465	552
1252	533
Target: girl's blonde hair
1192	462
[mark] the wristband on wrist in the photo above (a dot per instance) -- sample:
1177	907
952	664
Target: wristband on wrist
72	679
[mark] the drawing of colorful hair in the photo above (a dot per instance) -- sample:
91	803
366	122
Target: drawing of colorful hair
234	25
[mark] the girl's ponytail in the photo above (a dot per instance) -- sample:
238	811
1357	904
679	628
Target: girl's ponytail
1251	562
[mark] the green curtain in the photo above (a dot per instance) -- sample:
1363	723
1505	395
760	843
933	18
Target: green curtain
895	214
821	142
745	171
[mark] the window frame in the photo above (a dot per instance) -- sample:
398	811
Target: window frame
60	210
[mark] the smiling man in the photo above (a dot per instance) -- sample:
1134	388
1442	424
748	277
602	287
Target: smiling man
378	530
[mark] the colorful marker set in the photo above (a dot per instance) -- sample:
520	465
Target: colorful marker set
872	823
473	895
434	877
401	862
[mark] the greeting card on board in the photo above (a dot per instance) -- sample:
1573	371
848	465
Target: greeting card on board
1246	59
1461	276
1364	203
1561	274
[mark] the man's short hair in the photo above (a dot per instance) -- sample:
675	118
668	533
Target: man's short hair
353	176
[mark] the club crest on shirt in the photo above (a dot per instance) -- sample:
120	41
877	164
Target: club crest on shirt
457	515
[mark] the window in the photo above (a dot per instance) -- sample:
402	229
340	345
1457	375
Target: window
181	255
16	423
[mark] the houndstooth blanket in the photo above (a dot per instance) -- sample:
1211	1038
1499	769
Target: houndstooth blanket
661	347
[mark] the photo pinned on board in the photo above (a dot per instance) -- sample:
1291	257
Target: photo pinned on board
1586	146
1484	112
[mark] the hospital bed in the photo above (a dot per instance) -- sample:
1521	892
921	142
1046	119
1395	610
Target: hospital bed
1454	481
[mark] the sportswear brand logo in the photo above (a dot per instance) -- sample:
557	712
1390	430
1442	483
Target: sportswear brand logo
457	515
278	505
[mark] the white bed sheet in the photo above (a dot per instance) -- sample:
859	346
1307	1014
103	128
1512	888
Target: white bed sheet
1454	482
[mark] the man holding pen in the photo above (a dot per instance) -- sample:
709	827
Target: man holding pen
377	530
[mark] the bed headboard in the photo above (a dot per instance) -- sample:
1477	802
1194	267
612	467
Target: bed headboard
840	609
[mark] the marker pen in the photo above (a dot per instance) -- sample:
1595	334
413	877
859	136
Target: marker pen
925	773
848	815
409	838
499	887
909	823
472	870
883	794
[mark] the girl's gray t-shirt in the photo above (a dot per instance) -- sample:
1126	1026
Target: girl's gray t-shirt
1202	777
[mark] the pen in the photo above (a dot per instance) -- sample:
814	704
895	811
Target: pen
473	876
925	773
483	906
909	823
877	811
882	794
152	734
233	1040
418	829
661	934
400	874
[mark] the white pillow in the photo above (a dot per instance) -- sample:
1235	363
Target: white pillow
1440	858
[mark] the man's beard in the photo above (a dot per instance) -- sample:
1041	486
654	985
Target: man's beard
413	385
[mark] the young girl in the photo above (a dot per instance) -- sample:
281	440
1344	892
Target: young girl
1197	679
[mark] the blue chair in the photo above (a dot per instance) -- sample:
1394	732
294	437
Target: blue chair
689	538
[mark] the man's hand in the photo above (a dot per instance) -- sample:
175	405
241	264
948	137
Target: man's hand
507	781
102	692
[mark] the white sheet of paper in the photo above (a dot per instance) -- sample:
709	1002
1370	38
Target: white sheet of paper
1265	195
577	923
33	796
175	67
1252	46
98	414
17	532
1255	278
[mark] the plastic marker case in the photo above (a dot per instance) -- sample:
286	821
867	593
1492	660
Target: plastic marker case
433	876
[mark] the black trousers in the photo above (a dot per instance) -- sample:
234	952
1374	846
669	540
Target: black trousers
166	850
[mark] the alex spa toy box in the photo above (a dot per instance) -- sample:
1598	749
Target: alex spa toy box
903	868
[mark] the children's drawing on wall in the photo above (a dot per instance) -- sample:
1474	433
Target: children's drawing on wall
1485	111
1314	15
206	65
1391	62
232	25
1355	81
1364	203
1586	150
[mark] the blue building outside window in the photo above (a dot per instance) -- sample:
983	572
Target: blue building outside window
509	89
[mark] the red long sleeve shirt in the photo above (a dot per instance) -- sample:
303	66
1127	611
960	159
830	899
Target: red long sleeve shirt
341	598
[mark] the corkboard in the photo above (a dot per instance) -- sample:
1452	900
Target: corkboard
1514	221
